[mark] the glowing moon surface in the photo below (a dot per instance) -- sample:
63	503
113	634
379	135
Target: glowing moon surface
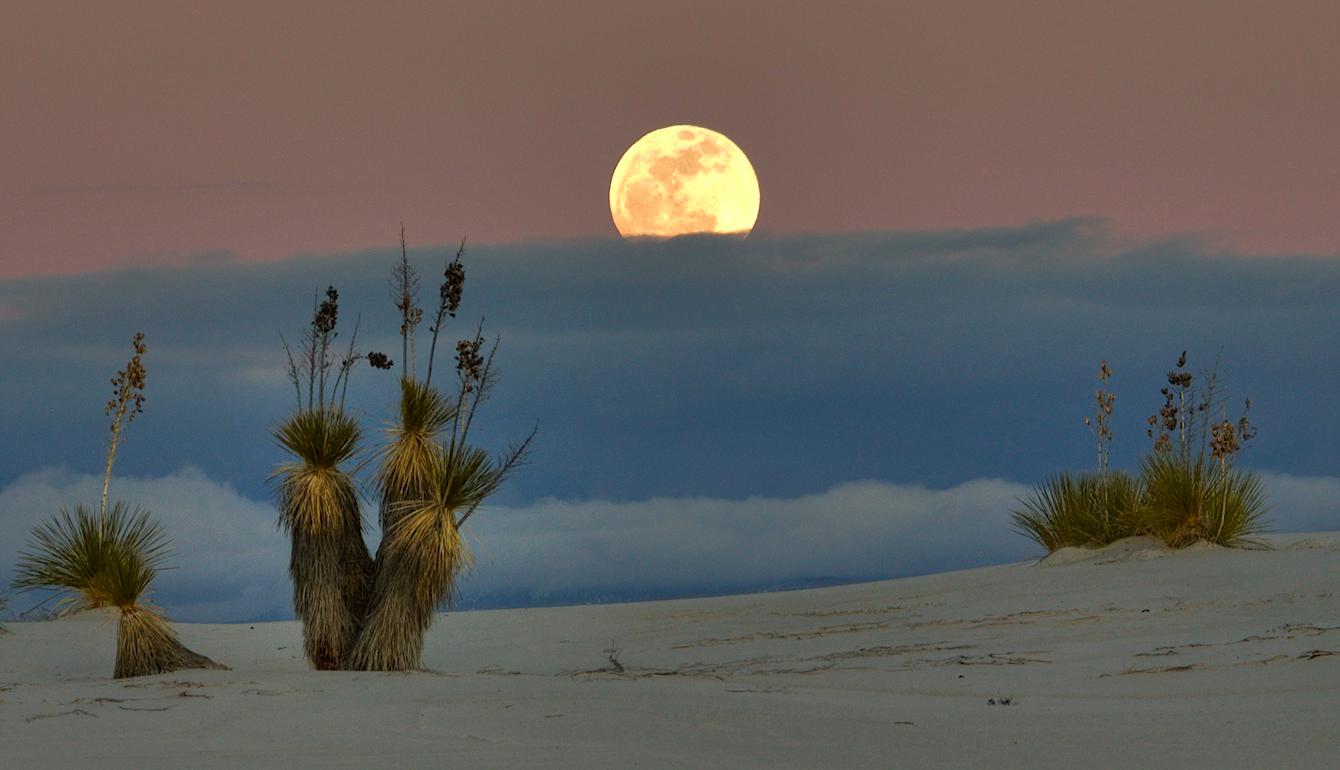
681	180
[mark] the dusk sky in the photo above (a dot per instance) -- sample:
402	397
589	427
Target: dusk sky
965	207
141	133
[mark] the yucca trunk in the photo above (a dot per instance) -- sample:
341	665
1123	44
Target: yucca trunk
332	578
416	558
146	644
418	564
328	561
392	635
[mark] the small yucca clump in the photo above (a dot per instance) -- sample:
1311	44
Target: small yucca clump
145	643
110	561
1082	510
1188	490
1085	509
1193	492
109	557
69	552
1188	500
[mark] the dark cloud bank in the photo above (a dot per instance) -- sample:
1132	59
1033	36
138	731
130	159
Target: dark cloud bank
714	414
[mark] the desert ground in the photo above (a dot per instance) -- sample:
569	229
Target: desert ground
1128	656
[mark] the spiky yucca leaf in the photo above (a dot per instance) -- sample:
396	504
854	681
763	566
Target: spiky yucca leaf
465	477
324	438
124	579
1084	510
427	541
68	552
423	410
1189	499
1116	497
318	506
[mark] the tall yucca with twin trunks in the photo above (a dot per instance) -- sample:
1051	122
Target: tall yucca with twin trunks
359	612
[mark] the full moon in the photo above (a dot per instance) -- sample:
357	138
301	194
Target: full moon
681	180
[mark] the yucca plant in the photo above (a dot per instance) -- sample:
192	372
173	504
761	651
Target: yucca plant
93	561
430	481
358	612
145	643
329	562
1193	492
109	557
392	636
422	556
67	553
318	507
1083	510
1193	498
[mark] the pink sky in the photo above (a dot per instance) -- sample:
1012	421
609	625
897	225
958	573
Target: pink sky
140	133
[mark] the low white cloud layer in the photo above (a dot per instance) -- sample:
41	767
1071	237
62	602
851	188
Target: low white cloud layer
231	559
854	530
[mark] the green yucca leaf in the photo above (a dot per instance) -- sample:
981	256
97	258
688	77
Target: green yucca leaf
315	494
321	438
123	579
95	559
423	410
465	477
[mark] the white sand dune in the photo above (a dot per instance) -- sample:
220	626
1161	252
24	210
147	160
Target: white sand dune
1126	657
